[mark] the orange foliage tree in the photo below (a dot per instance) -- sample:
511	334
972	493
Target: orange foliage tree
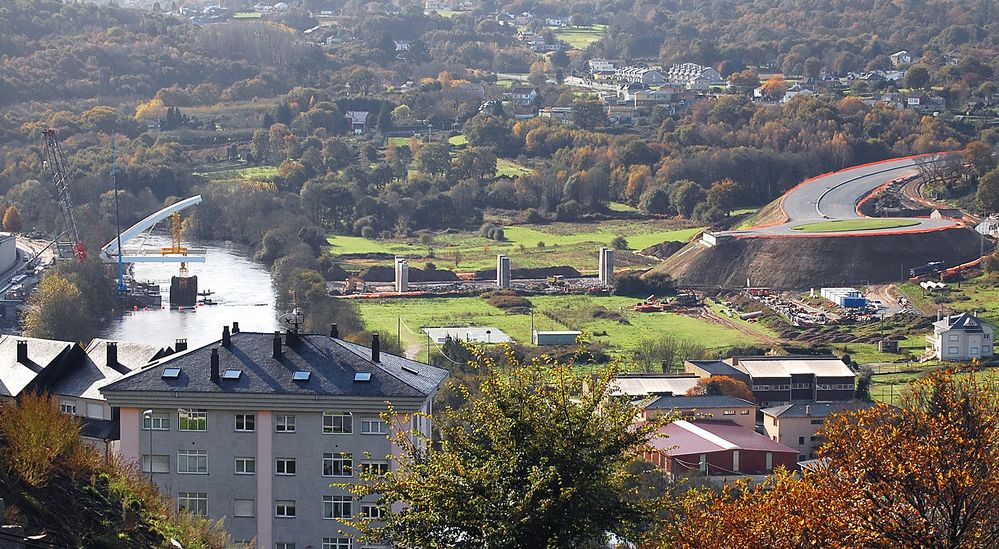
722	385
923	475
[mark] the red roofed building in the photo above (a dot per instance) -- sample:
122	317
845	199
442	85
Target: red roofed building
717	448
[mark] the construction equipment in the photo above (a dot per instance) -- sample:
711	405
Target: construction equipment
353	284
56	162
176	248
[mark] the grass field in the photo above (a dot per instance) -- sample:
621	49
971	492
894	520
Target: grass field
570	312
573	244
458	140
579	37
890	387
620	207
979	294
257	173
865	224
509	168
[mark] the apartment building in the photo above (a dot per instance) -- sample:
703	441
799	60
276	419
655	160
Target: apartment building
797	425
256	427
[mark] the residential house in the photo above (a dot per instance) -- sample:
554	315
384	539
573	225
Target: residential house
796	90
358	119
257	427
777	380
30	365
797	425
603	69
693	76
703	408
562	114
644	75
717	448
523	96
918	102
474	90
947	213
960	337
900	58
988	227
78	390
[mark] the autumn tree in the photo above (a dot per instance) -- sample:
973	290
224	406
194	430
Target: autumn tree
58	311
722	385
536	460
774	88
12	221
987	194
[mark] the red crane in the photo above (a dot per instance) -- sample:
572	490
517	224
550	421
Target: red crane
56	161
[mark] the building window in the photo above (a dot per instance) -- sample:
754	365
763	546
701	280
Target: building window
336	507
774	420
156	422
952	350
336	543
952	337
728	413
246	466
372	511
284	509
816	422
244	508
192	420
801	440
374	427
95	411
338	465
245	423
285	424
195	503
285	466
192	462
283	545
161	464
374	467
744	413
68	407
337	423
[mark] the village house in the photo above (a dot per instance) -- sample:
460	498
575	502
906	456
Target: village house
797	425
960	338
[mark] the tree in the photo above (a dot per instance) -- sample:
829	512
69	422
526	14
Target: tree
475	163
483	130
722	385
721	195
385	118
619	243
686	195
532	461
987	195
434	159
744	81
12	221
656	201
58	311
917	77
589	114
774	88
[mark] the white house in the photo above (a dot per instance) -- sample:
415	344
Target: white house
901	58
357	121
523	95
693	76
961	337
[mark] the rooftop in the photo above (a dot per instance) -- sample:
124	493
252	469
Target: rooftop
670	402
93	371
43	357
640	385
686	438
769	367
818	409
717	368
965	322
323	366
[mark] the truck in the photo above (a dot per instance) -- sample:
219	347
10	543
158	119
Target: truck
930	268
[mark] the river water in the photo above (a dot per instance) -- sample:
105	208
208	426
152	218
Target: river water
243	291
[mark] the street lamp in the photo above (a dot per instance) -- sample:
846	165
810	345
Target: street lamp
149	414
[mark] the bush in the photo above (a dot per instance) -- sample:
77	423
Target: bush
568	211
485	229
501	301
37	434
534	216
368	231
619	243
637	285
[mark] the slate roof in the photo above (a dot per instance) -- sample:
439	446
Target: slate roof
964	322
818	409
332	364
704	401
92	372
44	358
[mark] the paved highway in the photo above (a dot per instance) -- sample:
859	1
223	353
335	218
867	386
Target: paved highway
835	196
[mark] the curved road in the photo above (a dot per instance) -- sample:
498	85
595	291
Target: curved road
835	196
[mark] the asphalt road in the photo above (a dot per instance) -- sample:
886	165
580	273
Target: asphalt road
835	197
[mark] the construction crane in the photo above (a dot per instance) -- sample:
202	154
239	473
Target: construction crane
176	248
56	161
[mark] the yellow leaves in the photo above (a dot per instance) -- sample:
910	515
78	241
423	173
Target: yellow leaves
153	109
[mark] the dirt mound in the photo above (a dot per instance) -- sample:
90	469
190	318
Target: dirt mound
378	273
796	263
543	272
663	249
336	272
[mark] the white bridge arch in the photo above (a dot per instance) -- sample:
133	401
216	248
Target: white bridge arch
109	253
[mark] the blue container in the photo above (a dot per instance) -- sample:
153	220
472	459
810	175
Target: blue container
854	302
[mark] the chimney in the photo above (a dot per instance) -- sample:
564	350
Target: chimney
808	410
215	365
235	327
112	354
277	345
376	349
291	338
334	330
22	351
180	345
226	338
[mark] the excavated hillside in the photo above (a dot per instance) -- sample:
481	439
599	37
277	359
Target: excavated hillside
798	263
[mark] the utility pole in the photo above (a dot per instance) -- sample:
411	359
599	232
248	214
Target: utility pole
398	331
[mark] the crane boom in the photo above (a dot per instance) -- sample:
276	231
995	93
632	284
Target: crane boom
56	161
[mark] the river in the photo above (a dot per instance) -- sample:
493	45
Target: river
243	291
